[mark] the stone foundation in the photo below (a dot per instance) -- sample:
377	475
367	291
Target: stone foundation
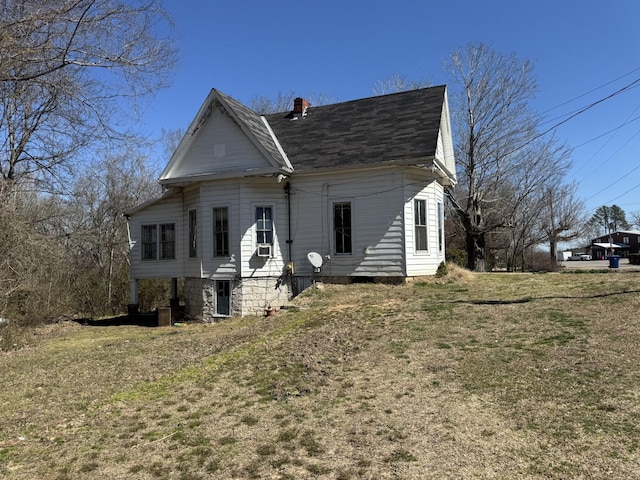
249	296
193	297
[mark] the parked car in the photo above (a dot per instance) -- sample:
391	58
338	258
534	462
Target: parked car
580	256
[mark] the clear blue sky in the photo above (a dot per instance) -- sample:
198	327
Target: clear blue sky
583	51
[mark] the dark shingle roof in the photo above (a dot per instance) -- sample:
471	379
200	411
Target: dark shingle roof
400	128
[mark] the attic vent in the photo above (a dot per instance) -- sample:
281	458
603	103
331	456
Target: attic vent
219	150
300	106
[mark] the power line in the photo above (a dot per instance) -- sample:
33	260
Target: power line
580	111
614	153
613	183
590	91
608	132
577	111
575	114
590	106
623	194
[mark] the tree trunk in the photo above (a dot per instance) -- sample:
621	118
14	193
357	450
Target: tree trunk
109	304
475	251
553	249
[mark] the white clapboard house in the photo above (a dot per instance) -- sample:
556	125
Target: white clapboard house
359	185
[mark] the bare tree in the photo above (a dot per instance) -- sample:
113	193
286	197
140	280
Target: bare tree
498	148
521	232
31	263
117	37
42	126
95	224
397	83
73	74
69	254
70	70
170	139
562	217
264	105
283	102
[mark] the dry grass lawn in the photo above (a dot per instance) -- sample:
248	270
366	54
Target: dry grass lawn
500	376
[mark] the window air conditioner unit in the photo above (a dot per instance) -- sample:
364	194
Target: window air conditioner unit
264	250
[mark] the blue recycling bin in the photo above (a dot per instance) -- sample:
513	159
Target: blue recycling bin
614	261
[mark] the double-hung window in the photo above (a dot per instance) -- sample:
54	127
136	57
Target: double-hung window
167	241
149	242
264	225
342	227
162	246
221	232
420	223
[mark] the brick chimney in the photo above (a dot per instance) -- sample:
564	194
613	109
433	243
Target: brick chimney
300	106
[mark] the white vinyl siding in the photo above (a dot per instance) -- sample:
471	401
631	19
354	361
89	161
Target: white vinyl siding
424	262
220	147
166	210
256	195
191	234
382	225
219	260
241	201
444	148
377	238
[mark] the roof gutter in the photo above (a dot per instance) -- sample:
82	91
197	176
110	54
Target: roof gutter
449	178
258	172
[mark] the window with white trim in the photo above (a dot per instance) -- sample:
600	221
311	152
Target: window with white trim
149	242
264	225
342	234
420	224
221	232
167	241
161	246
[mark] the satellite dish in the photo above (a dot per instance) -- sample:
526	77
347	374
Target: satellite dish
315	259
